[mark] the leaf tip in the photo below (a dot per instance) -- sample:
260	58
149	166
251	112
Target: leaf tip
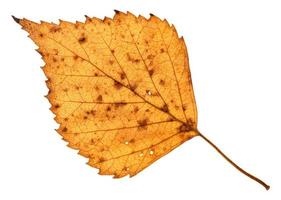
117	11
87	17
16	19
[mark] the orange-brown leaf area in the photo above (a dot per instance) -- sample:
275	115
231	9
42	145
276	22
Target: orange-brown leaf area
120	88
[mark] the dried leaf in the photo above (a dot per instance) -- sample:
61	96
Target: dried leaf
120	88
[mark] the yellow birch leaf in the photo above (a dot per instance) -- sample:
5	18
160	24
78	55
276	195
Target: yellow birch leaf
120	88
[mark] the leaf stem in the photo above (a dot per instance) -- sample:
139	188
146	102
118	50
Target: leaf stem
234	164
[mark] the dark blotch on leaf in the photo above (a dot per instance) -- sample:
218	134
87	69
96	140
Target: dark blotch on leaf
101	159
162	82
151	72
122	76
111	62
75	57
132	141
184	128
82	39
55	29
120	104
150	56
64	129
142	123
136	109
108	108
134	86
165	108
93	112
117	85
99	98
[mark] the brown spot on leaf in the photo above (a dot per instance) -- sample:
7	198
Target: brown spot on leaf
122	76
117	85
132	140
111	62
99	98
162	82
136	109
82	39
108	108
97	88
134	86
129	57
93	112
120	104
64	129
190	122
170	119
76	26
75	57
150	56
101	159
142	123
92	141
184	128
55	29
165	108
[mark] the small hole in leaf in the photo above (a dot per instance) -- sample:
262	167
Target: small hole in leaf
151	152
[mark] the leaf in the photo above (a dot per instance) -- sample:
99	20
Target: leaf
120	88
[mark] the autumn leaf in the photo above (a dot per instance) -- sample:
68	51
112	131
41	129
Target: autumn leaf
120	88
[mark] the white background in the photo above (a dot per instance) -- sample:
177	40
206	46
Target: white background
235	58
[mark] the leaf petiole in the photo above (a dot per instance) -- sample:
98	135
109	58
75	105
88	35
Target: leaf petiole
234	164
